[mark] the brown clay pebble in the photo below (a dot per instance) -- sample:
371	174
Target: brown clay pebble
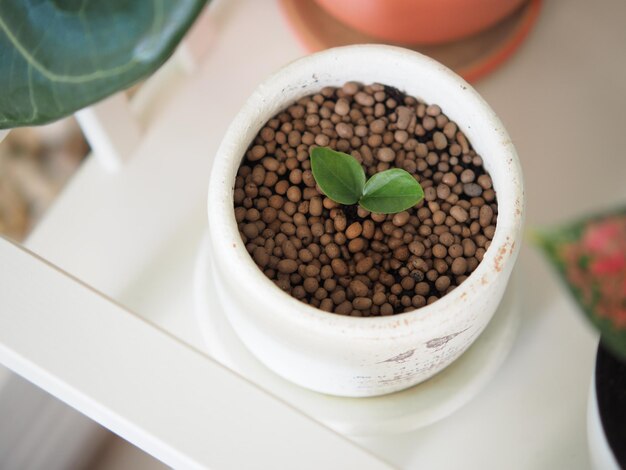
449	179
379	298
362	303
344	130
400	219
467	176
287	266
342	107
354	230
358	288
484	181
339	267
417	248
459	266
342	259
364	265
442	283
386	155
315	207
260	256
386	309
459	214
357	245
256	153
439	251
440	141
344	308
472	189
364	99
485	215
404	117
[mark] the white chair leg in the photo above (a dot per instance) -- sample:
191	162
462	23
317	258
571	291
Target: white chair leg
111	130
198	40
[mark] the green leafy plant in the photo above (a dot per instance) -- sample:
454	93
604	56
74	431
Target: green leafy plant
58	56
590	256
342	178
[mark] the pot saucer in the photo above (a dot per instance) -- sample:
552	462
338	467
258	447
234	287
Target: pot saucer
399	412
471	57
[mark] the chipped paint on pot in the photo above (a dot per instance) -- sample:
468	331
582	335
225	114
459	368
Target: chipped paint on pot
343	355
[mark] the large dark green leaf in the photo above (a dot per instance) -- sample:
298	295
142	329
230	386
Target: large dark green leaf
57	56
590	256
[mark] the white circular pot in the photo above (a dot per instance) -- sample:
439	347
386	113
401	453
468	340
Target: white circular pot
344	355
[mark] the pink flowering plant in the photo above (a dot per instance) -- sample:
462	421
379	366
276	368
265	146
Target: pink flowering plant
590	255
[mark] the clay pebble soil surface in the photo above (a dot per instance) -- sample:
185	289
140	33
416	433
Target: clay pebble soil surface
344	259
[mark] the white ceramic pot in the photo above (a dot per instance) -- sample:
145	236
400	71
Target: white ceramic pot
343	355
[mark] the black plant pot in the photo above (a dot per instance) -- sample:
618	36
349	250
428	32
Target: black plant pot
610	396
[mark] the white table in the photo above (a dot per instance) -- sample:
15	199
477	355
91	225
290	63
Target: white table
134	235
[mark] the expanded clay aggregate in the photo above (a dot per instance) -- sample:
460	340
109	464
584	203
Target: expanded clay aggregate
344	259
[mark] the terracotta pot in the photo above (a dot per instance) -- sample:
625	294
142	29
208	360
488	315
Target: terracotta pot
419	21
343	355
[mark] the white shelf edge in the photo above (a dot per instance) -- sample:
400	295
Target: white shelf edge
147	386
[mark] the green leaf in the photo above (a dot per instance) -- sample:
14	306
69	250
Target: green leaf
590	256
391	191
339	175
58	56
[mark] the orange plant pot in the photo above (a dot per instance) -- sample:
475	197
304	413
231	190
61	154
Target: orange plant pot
419	21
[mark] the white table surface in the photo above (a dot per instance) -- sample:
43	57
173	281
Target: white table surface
134	235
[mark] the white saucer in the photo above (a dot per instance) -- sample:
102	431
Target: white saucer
398	412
